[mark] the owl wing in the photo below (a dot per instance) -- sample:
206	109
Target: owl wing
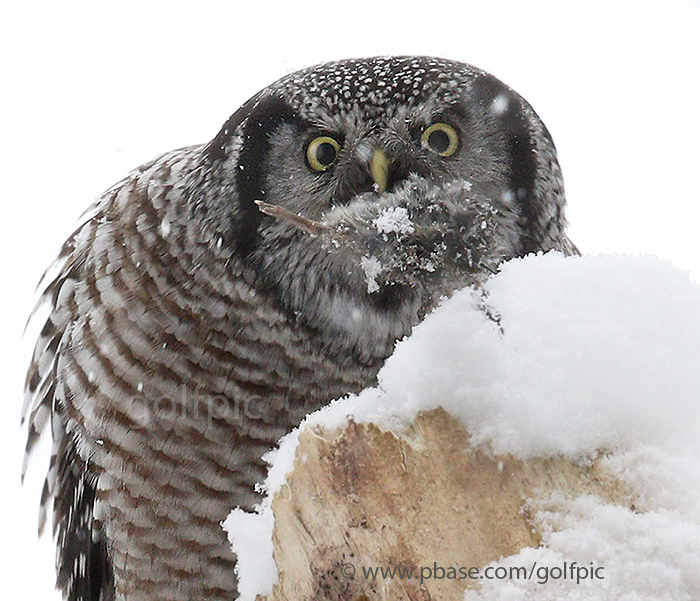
70	485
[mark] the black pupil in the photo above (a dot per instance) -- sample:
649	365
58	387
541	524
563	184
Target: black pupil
325	153
439	141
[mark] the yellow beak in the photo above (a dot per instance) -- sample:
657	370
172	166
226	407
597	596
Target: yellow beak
379	169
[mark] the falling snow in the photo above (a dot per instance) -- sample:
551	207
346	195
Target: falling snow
164	228
500	104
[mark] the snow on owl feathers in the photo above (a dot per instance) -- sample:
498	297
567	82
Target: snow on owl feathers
221	292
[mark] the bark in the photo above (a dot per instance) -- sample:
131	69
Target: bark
364	498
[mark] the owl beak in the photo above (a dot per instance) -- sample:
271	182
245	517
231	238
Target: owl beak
379	169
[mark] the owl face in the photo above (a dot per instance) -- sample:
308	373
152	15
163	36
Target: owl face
422	175
335	159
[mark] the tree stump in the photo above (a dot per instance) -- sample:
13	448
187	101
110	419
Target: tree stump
364	498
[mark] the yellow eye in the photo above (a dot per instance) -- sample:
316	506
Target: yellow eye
322	152
441	139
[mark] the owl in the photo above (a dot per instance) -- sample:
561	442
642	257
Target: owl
218	294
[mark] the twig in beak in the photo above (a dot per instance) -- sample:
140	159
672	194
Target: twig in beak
310	226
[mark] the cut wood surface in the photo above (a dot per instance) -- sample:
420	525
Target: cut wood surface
363	498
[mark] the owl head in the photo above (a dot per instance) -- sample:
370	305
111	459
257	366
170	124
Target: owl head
386	183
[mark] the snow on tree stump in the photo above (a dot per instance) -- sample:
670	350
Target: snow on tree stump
365	498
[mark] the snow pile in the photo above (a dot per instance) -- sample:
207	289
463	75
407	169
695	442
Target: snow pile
557	356
652	556
372	268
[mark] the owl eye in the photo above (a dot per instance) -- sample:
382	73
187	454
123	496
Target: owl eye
322	152
441	139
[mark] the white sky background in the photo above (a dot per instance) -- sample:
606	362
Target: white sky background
91	90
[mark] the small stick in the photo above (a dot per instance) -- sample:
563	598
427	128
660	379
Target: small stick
315	228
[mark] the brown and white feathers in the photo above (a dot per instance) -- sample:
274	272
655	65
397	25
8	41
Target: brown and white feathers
221	292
